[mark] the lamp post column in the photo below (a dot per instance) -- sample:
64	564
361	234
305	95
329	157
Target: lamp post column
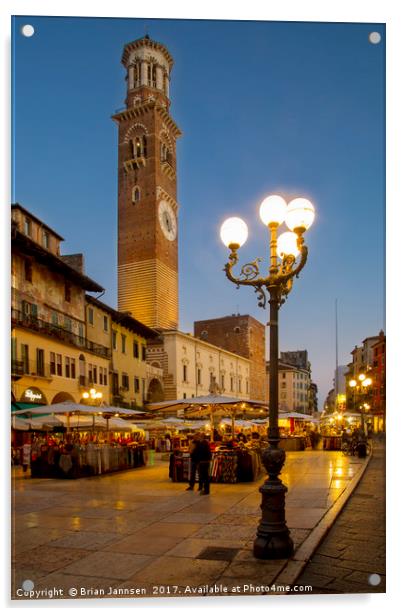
273	537
273	432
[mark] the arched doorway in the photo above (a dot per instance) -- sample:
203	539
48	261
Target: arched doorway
155	391
62	396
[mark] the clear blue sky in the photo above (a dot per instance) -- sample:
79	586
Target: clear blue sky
264	107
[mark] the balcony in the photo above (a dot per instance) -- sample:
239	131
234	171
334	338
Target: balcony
45	328
167	166
134	163
30	368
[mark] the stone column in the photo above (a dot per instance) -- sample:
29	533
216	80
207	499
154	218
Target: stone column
144	67
159	78
130	77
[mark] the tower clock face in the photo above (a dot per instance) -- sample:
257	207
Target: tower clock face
167	221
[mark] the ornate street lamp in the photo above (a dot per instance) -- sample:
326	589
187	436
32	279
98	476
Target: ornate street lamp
288	256
93	395
96	398
359	387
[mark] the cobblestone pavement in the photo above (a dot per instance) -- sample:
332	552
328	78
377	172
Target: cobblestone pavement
354	548
137	532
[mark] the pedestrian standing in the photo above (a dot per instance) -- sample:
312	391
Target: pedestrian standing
194	460
205	456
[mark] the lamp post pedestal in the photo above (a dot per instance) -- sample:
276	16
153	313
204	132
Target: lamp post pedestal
273	537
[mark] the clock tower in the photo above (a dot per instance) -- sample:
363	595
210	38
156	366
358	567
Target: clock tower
147	206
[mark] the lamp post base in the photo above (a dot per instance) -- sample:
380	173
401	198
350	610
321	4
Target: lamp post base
273	539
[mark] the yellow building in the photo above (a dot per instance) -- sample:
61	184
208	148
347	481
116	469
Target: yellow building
129	374
52	359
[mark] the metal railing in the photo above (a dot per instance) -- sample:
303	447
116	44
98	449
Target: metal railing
49	329
30	368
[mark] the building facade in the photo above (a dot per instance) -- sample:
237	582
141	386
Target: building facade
51	355
242	335
368	359
379	383
129	375
147	199
191	367
294	388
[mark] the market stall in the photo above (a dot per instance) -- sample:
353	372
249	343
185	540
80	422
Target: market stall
78	440
230	463
232	460
298	431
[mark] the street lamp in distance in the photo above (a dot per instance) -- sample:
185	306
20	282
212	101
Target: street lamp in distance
92	395
359	387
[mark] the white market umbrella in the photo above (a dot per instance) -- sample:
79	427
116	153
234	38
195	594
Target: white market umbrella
211	405
75	407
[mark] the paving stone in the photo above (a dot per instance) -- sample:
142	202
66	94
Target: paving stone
85	540
257	571
49	558
180	571
108	565
218	531
191	518
140	544
237	520
190	548
315	579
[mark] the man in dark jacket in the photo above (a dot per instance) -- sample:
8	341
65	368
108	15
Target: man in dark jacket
194	460
204	456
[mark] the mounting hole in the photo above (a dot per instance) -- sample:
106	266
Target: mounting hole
27	30
374	579
27	585
375	38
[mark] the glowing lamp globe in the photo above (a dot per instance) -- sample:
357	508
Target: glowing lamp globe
367	382
300	214
234	232
273	210
352	383
287	244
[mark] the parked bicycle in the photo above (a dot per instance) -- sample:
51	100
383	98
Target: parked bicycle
356	448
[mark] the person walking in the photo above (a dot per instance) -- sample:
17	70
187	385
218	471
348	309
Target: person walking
204	455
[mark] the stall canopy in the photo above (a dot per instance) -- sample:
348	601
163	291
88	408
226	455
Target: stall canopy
200	403
294	415
212	406
73	407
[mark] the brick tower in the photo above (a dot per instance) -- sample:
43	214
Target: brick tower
147	206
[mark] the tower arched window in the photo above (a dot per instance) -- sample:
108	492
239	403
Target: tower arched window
136	194
149	75
144	146
138	147
137	73
153	76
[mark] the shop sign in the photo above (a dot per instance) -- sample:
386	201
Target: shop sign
32	395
